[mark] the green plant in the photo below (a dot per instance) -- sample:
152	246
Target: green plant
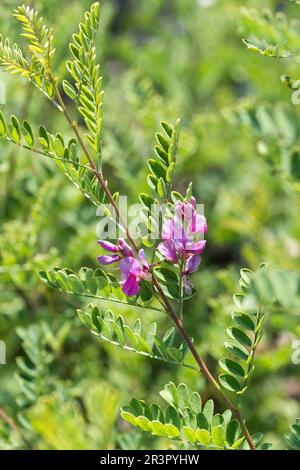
162	285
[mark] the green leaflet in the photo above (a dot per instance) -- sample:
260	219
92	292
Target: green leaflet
68	161
86	92
266	49
184	419
163	165
85	72
98	285
65	155
274	122
181	397
274	127
244	335
19	134
12	59
116	331
293	438
282	287
92	284
39	345
268	34
159	180
169	281
38	36
277	37
39	39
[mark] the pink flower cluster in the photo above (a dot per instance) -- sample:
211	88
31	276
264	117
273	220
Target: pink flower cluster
183	239
182	244
132	270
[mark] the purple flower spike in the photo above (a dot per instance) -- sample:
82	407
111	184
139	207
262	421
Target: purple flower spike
183	239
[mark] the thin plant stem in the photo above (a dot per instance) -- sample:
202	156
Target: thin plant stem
50	155
252	352
93	166
14	427
181	289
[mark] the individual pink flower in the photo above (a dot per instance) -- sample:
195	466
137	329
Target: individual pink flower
122	249
191	266
130	273
132	270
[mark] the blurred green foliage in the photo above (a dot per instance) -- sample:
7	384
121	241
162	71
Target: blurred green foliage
160	59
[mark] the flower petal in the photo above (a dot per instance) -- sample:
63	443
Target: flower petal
168	230
125	248
108	259
129	266
188	289
168	250
193	202
142	258
108	246
192	264
182	237
131	287
179	212
196	248
201	225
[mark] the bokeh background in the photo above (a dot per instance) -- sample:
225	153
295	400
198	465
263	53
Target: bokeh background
160	59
